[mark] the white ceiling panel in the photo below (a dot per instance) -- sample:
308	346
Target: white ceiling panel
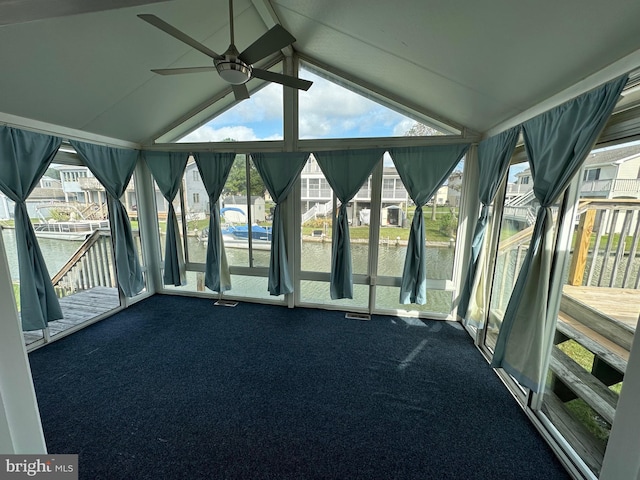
497	56
21	11
475	64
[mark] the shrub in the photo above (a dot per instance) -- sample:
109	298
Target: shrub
447	224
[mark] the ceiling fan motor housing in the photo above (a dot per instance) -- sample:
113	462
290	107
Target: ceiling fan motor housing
232	69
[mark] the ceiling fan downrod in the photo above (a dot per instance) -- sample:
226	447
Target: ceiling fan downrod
231	22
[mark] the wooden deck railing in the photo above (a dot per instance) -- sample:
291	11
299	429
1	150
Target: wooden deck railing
606	244
90	266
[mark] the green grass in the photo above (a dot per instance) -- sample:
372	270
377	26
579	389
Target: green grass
432	227
199	224
16	293
588	417
578	407
580	355
362	233
603	242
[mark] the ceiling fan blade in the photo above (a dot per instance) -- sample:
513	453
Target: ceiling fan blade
240	92
183	37
272	41
285	80
180	71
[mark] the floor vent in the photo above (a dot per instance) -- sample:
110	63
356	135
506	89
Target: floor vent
226	303
358	316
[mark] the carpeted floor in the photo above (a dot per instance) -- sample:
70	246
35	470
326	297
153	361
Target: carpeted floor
176	388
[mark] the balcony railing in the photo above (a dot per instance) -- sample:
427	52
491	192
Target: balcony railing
606	245
615	185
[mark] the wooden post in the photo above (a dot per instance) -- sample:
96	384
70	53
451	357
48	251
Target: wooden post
581	248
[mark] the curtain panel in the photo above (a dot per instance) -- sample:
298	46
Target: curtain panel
346	171
557	142
167	169
214	169
279	171
113	167
494	155
24	157
422	170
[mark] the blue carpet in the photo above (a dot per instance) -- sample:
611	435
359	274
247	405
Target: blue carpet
176	388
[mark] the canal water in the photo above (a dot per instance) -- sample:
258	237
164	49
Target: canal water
316	256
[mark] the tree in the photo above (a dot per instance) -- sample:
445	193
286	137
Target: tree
420	130
237	180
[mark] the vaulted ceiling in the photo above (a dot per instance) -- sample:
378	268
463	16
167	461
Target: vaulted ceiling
474	64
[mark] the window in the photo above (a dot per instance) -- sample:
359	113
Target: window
388	187
335	109
258	118
591	175
63	225
246	216
196	196
441	224
196	176
597	320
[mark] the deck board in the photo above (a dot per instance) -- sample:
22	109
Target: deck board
613	354
606	344
79	308
622	304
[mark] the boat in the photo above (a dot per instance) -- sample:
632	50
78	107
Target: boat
237	235
71	230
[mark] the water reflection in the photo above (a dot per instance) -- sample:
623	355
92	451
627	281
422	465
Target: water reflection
56	253
315	256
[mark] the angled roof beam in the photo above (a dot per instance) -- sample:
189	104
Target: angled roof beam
63	132
270	18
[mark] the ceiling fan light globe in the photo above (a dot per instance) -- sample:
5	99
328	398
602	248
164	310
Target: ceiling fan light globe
235	73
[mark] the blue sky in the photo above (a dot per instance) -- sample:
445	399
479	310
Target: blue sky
326	111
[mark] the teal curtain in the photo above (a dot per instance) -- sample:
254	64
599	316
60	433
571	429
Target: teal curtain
345	171
214	169
557	142
113	168
279	171
167	169
494	155
422	170
24	157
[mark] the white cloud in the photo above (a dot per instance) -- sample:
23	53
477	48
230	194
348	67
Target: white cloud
330	110
207	133
326	110
263	106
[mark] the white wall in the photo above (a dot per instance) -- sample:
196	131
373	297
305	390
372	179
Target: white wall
629	169
20	427
622	458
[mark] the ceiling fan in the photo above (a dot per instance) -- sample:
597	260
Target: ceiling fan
234	67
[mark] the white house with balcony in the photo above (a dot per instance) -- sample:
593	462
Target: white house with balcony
316	194
612	173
